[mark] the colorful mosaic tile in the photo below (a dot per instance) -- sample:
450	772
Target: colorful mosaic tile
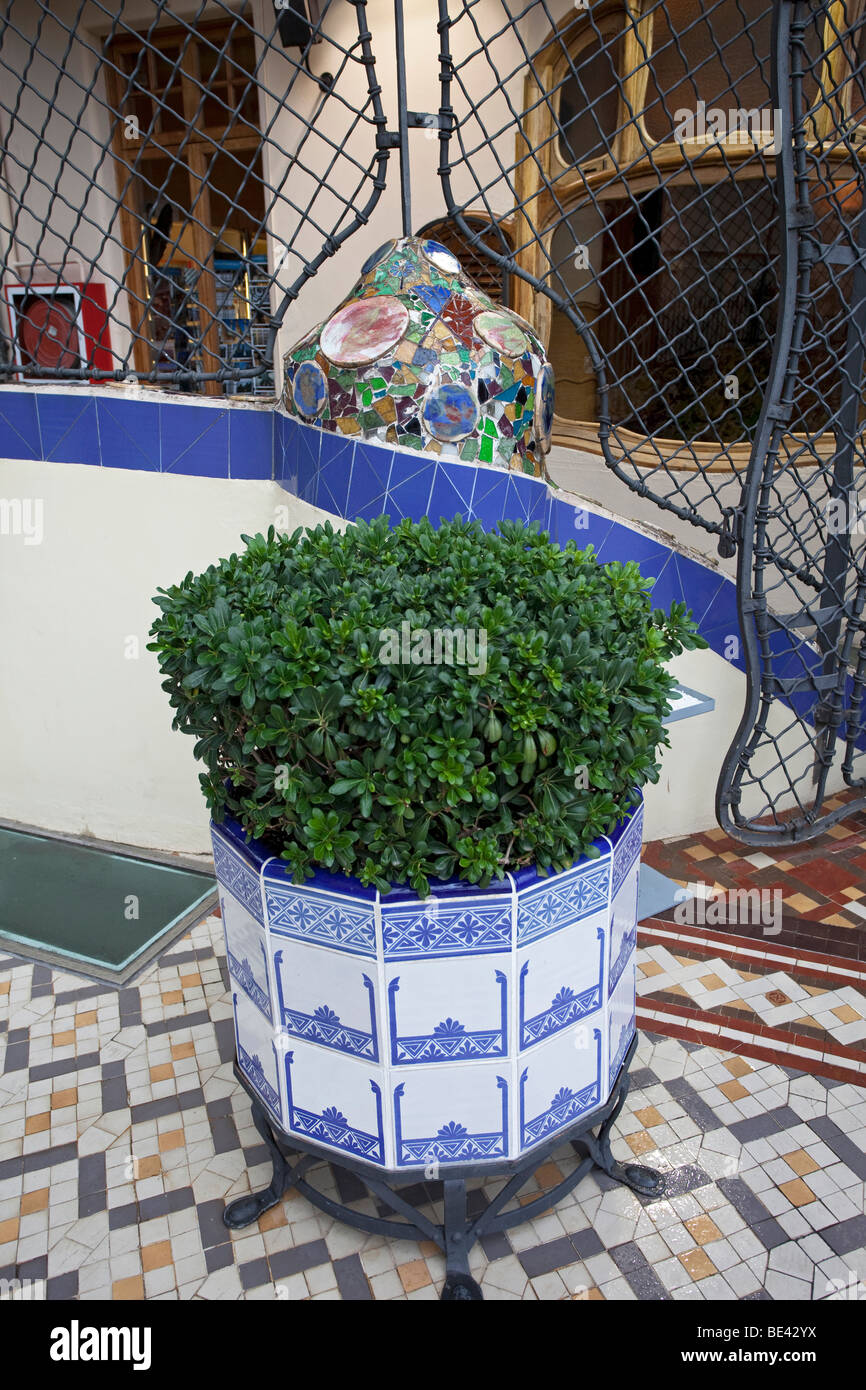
419	357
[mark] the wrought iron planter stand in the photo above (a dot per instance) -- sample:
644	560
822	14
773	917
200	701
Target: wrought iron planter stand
459	1231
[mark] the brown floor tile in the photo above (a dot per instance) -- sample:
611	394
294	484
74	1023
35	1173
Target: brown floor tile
734	1090
35	1201
61	1099
846	1014
797	1193
641	1142
147	1167
270	1220
649	1116
414	1275
163	1072
174	1139
698	1264
34	1124
801	1162
702	1229
180	1050
156	1256
131	1288
737	1066
798	902
548	1175
652	967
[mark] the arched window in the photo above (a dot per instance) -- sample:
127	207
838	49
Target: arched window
658	217
486	273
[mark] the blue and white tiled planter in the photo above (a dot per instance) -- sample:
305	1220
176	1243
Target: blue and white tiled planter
466	1028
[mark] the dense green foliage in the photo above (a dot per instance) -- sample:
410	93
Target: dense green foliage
396	771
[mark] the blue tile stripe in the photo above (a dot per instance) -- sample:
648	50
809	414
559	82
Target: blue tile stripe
349	478
158	436
358	480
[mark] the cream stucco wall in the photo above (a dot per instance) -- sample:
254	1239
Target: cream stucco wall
86	745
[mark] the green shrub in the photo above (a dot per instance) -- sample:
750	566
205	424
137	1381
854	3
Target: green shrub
287	665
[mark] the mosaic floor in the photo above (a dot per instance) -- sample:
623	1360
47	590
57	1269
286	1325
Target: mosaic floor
123	1132
796	992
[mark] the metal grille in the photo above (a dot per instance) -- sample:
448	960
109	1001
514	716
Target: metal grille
671	190
802	567
193	228
648	222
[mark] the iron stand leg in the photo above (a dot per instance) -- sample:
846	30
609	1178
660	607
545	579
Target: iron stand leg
458	1233
244	1210
459	1284
643	1180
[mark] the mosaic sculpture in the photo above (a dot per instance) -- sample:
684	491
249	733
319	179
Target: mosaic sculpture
420	357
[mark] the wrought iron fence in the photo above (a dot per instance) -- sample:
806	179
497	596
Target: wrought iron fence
802	566
671	190
169	266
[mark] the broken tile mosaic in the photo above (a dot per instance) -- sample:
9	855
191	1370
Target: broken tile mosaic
419	357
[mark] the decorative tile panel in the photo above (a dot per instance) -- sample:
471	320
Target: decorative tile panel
562	899
626	849
448	1010
621	1019
327	999
560	1082
446	927
561	982
245	949
257	1052
327	919
623	924
450	1116
236	874
334	1102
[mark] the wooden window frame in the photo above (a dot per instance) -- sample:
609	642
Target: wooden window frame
193	146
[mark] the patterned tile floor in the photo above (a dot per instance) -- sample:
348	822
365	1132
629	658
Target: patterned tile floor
790	986
123	1132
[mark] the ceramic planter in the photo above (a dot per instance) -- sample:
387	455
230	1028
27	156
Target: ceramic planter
465	1029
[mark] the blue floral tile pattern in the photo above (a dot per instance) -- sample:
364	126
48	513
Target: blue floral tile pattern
438	927
568	1102
567	1005
235	873
450	1039
451	1141
328	919
563	899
